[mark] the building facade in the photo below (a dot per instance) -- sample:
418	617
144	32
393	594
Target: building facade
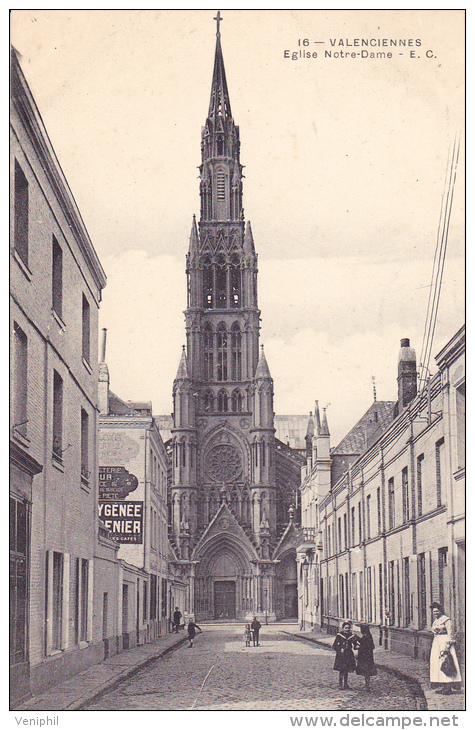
232	482
386	537
56	281
133	468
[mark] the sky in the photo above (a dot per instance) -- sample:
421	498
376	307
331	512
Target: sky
345	165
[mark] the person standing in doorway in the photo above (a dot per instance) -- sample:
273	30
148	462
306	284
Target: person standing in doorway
192	632
255	626
176	620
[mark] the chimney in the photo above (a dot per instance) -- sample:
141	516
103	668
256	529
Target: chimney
103	385
406	374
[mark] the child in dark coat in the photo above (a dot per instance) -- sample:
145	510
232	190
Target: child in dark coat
365	665
192	632
345	642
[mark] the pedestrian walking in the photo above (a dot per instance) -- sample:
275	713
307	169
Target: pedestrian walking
255	626
345	642
247	635
444	666
365	665
176	620
192	632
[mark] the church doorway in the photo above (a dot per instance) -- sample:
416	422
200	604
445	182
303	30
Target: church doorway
224	599
287	586
291	603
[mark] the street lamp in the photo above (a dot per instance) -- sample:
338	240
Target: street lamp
265	597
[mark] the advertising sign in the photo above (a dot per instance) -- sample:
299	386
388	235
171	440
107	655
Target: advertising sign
115	482
123	519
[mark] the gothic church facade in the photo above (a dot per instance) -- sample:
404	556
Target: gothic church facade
233	484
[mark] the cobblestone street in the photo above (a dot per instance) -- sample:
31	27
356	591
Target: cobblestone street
220	673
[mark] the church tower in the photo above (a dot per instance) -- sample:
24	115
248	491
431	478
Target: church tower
223	492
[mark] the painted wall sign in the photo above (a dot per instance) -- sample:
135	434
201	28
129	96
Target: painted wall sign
123	519
115	482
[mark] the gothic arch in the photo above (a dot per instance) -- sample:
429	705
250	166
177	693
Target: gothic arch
216	546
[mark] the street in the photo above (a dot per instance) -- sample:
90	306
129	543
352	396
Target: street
283	673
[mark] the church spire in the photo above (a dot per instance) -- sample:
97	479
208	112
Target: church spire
194	239
219	104
183	373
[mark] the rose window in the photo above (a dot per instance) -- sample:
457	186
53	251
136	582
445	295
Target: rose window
223	463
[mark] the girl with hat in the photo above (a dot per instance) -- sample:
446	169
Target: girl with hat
345	642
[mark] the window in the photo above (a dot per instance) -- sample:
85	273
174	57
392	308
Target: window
84	599
236	401
86	329
378	507
20	380
460	407
164	597
391	594
360	530
19	569
353	526
221	286
208	285
421	590
208	352
145	601
21	214
442	565
407	594
84	445
57	278
153	596
235	274
339	534
419	478
57	616
405	495
345	532
368	516
439	467
236	352
222	351
208	401
222	401
369	587
57	415
220	177
391	505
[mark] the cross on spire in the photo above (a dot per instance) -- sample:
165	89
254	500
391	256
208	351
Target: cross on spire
218	20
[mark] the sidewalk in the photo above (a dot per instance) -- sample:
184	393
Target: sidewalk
413	669
88	684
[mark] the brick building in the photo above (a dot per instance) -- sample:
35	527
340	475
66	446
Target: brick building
56	281
385	536
133	467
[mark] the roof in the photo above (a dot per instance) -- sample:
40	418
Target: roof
368	429
291	430
118	407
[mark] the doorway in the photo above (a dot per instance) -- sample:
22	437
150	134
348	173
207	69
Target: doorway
225	599
291	604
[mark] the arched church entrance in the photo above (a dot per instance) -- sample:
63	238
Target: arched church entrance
287	586
224	582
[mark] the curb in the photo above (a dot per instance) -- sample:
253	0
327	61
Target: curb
112	683
420	697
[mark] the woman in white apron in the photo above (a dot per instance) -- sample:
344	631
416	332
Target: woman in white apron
442	645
